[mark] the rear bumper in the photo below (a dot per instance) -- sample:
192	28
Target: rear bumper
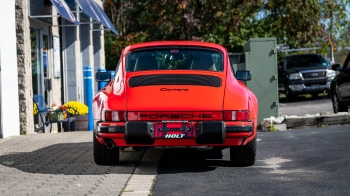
216	133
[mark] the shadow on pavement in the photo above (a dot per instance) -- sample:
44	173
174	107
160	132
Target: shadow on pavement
68	159
191	160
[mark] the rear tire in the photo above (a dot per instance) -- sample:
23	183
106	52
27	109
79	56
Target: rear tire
103	155
243	156
337	106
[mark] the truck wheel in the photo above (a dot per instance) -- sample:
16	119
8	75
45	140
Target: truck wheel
103	155
289	96
243	156
314	95
337	106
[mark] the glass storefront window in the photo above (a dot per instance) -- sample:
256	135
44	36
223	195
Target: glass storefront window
45	61
35	60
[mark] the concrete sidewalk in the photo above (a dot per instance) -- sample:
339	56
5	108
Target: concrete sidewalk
284	123
305	112
61	164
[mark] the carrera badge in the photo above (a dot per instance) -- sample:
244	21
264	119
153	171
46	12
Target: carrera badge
173	89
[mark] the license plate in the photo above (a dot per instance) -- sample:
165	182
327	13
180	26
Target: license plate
315	86
175	130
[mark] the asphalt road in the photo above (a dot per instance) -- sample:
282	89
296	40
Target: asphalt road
303	106
297	162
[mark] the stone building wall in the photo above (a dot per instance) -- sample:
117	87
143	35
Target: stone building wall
24	67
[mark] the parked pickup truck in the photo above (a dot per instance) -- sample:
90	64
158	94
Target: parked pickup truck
303	74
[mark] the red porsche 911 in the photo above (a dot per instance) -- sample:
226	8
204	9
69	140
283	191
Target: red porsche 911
175	94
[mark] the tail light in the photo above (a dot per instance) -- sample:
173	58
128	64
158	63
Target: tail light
156	116
238	115
113	115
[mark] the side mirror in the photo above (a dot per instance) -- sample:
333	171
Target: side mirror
243	75
336	67
103	77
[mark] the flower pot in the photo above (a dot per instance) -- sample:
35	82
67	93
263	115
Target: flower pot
81	123
55	116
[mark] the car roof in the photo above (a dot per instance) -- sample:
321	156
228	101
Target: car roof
175	43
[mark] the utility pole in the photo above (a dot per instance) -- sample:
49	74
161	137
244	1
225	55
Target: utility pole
331	46
331	30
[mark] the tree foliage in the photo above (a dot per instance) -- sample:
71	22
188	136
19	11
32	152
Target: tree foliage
294	22
297	23
335	20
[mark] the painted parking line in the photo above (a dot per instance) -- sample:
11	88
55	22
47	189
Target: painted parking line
144	176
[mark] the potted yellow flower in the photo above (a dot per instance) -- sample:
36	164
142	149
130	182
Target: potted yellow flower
79	111
75	107
35	109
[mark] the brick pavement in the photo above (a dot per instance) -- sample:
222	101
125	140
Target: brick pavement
60	164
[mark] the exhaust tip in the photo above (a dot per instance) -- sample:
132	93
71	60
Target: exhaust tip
110	145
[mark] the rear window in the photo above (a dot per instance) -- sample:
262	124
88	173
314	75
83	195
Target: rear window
174	59
305	61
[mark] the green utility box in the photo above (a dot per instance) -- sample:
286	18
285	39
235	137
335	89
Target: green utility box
260	57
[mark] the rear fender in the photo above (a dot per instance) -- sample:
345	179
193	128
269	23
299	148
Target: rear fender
253	106
111	97
253	110
236	96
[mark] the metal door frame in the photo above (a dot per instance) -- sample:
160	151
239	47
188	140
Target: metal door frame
39	68
45	32
40	32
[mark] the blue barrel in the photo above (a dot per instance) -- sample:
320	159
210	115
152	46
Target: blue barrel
112	74
88	95
101	84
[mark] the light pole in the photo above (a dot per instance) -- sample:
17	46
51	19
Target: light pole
331	46
330	7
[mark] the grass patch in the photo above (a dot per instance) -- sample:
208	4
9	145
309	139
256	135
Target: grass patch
307	96
273	128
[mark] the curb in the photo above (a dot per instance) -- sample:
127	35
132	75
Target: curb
322	119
